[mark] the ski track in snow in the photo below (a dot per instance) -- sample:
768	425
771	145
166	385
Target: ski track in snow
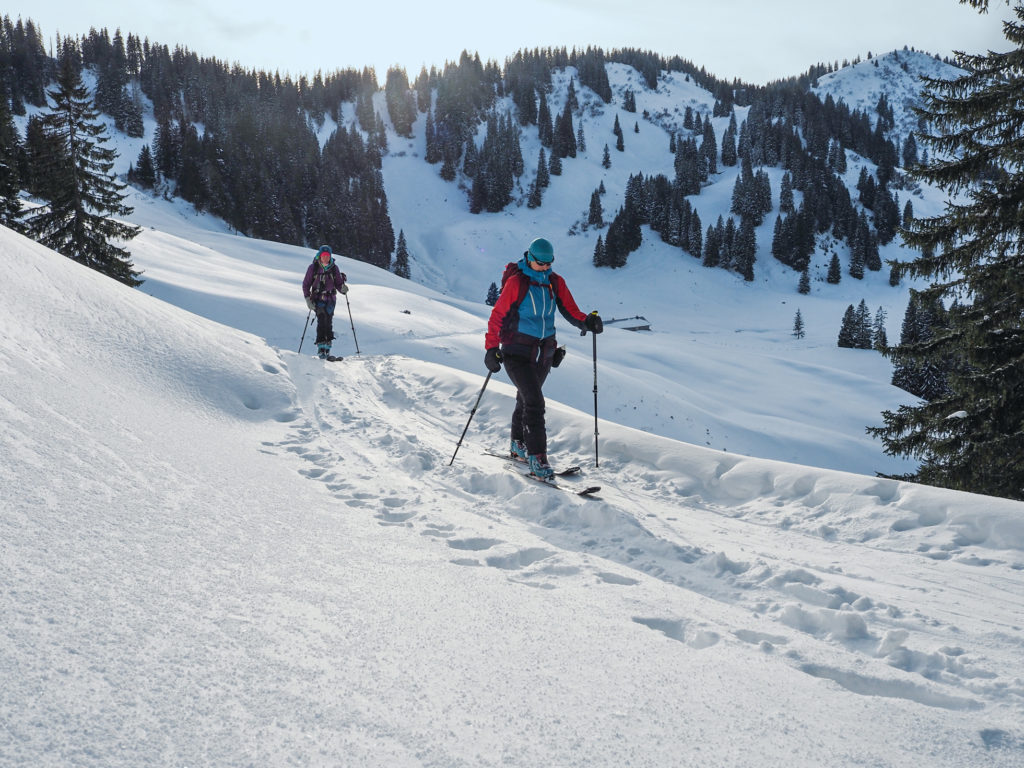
643	526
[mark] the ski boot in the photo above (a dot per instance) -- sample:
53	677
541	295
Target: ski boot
540	468
517	451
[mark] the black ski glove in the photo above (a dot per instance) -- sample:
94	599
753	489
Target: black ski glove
492	360
593	323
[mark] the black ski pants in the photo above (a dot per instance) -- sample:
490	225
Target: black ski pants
528	417
324	323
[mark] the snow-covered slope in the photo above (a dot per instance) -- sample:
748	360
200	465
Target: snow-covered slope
720	367
215	551
218	552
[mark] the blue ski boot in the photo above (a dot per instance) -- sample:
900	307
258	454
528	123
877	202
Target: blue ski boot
517	450
539	466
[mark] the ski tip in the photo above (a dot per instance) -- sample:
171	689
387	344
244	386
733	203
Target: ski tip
589	491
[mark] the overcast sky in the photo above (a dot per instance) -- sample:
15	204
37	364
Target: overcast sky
755	40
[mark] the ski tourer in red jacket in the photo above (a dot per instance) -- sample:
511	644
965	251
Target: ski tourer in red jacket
521	334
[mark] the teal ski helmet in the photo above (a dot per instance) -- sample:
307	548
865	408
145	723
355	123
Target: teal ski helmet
541	251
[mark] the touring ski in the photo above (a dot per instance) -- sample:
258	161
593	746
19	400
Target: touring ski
560	473
587	493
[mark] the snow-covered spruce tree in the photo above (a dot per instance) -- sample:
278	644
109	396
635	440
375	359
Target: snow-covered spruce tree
76	220
972	436
798	325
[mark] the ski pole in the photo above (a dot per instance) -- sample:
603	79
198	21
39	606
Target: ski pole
471	415
351	323
584	333
595	399
304	327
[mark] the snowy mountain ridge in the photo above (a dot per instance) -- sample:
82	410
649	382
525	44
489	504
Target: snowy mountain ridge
896	75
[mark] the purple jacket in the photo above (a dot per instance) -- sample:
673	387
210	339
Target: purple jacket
322	283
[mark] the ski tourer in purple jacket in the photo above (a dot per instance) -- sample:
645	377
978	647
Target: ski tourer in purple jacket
321	285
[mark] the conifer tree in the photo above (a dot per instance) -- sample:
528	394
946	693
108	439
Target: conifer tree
798	325
75	222
40	153
857	254
694	242
804	285
835	270
543	175
848	329
433	149
534	197
470	158
879	338
786	204
144	172
401	266
729	156
492	295
972	437
711	246
908	214
400	101
928	379
555	164
863	326
10	183
595	215
709	149
563	142
910	151
745	250
606	159
545	130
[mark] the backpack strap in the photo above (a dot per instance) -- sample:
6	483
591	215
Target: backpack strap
512	269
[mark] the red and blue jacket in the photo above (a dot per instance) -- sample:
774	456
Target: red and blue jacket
523	319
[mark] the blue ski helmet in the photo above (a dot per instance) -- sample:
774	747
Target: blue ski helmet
541	251
324	248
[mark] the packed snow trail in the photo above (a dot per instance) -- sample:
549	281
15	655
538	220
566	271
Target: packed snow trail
702	522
